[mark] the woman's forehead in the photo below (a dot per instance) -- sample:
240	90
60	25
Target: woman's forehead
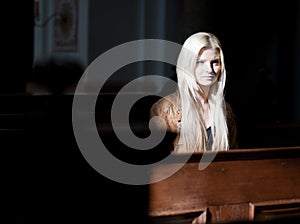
209	52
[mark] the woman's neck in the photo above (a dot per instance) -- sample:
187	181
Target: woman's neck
203	93
204	109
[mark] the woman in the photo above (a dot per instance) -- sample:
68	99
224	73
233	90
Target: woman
197	111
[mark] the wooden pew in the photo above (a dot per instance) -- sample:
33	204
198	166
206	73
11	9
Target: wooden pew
255	185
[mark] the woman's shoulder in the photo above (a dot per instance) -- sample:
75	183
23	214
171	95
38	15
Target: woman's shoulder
229	110
167	109
166	104
231	122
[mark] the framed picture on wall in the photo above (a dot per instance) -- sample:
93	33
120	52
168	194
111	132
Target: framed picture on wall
65	32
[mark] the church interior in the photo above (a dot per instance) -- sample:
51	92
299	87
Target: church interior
51	47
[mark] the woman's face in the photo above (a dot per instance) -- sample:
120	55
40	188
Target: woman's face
208	67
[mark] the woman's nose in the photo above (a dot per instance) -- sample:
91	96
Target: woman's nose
209	67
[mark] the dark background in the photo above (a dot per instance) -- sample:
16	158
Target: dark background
44	177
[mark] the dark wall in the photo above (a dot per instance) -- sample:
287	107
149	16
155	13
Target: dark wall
16	65
17	49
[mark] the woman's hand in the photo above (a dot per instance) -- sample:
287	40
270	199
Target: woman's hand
201	219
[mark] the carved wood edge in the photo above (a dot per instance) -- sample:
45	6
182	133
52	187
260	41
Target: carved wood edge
280	208
174	213
184	216
248	154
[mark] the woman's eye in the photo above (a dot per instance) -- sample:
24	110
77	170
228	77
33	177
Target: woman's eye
215	62
200	62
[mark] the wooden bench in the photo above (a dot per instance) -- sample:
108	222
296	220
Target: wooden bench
237	186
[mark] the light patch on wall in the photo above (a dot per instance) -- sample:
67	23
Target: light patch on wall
65	32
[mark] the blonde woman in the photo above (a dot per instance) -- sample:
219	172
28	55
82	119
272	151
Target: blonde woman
197	111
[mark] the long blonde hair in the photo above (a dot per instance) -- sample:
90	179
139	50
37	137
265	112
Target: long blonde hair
193	136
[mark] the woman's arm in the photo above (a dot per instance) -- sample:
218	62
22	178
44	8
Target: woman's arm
232	129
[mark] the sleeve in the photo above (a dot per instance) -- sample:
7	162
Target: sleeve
232	129
164	115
